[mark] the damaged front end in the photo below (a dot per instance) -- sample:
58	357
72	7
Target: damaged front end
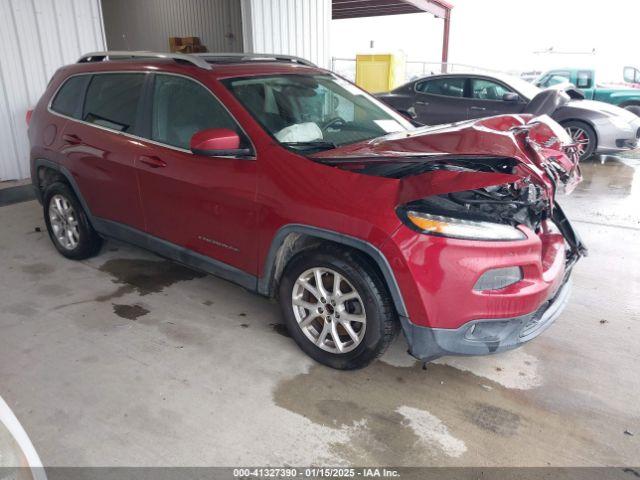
509	174
494	180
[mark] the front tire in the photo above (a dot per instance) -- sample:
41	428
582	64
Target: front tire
337	308
67	223
584	137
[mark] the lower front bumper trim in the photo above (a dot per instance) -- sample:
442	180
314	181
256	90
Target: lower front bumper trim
486	336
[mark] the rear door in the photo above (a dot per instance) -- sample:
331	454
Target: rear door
204	204
486	99
440	100
98	148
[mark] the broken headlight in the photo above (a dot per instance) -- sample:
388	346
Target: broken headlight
459	228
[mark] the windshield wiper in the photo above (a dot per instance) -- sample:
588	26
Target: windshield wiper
312	144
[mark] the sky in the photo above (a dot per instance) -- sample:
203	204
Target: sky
506	34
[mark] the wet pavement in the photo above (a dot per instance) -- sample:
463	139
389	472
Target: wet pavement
127	359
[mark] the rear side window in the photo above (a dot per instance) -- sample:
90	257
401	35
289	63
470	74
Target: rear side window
487	90
68	100
584	79
448	86
182	107
112	100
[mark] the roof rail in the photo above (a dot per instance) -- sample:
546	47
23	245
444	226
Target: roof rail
118	55
247	57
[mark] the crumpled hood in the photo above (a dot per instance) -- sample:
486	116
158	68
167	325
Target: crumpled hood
539	146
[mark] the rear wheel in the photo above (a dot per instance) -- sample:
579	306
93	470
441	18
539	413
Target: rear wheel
583	135
67	223
337	308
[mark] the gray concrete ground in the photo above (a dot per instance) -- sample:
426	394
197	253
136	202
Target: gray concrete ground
129	360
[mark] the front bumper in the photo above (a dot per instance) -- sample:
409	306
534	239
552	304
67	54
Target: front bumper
457	320
612	139
482	337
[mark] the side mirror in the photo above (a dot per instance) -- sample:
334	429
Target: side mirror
217	142
510	97
409	114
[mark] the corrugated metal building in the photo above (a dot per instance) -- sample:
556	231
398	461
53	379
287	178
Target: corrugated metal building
148	24
295	27
36	38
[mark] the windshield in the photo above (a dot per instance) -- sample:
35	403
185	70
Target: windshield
309	112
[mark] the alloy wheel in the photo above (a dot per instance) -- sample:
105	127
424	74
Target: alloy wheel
329	310
64	222
580	138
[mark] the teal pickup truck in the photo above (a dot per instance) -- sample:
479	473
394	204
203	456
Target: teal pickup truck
625	94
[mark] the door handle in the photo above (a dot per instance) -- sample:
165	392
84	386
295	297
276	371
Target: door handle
478	109
153	162
71	139
420	102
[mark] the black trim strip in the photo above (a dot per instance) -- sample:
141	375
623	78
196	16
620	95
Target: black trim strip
175	252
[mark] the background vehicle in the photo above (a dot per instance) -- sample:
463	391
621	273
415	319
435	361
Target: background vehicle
625	95
293	182
595	126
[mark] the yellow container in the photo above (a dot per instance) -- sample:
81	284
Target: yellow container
380	72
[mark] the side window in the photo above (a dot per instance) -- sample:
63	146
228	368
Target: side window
584	79
556	78
487	89
450	87
112	100
631	75
182	107
68	99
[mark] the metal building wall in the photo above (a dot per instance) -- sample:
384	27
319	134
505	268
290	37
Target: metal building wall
294	27
36	38
148	24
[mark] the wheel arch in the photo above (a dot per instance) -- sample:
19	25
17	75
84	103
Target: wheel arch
45	172
590	124
294	238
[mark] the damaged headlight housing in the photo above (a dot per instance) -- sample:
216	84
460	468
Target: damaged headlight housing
460	228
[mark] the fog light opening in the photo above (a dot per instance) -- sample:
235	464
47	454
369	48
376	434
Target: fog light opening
487	331
498	278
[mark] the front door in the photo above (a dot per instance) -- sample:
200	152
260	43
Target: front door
487	98
204	204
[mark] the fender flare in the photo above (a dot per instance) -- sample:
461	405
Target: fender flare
64	171
266	282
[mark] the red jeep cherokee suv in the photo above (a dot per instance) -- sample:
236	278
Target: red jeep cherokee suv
292	182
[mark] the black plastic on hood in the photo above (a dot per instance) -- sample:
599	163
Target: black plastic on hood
547	102
393	167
